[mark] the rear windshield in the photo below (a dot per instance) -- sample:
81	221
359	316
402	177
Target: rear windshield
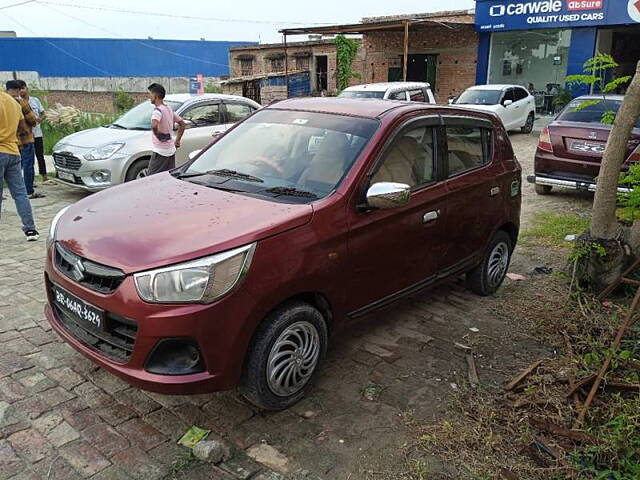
590	113
479	97
361	94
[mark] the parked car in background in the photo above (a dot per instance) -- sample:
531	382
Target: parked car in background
408	91
98	158
571	147
235	268
515	106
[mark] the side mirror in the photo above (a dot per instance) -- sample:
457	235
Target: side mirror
187	124
451	100
386	195
194	154
506	103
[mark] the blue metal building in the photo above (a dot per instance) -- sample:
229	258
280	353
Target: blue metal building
104	57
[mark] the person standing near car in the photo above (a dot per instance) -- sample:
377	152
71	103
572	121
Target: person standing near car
38	110
25	139
163	119
11	125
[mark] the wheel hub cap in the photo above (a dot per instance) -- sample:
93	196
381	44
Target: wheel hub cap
293	359
498	263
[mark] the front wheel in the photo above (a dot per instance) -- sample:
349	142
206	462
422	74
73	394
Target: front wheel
284	356
138	170
528	126
487	277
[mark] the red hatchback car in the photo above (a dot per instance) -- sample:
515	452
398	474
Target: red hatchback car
235	268
571	147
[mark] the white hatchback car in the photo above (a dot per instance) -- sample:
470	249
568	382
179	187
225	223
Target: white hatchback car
408	91
515	106
98	158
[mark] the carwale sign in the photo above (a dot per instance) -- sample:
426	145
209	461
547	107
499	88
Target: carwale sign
497	15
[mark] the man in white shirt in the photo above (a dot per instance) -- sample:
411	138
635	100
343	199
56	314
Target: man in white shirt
163	119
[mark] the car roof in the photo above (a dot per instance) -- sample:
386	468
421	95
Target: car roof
370	108
188	97
617	98
384	86
499	87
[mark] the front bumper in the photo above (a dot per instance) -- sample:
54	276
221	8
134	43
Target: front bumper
91	176
217	329
566	183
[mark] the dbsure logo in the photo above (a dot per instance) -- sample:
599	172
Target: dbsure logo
634	10
527	8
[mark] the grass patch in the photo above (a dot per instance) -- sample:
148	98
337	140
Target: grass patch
550	228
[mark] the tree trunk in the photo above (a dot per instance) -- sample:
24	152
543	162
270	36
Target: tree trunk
604	224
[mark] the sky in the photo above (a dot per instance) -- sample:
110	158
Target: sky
246	20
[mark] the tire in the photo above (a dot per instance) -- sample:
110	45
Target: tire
268	357
543	189
486	278
528	126
137	170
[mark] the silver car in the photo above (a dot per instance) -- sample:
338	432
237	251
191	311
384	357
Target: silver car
98	158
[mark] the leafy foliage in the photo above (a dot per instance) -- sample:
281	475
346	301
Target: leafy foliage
212	88
596	71
62	120
123	101
346	51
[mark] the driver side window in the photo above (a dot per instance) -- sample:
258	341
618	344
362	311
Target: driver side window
410	160
203	115
508	95
398	96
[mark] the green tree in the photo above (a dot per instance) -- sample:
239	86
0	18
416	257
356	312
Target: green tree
346	51
123	100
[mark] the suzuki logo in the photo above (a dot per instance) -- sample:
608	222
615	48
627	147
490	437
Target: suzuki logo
634	10
497	10
78	270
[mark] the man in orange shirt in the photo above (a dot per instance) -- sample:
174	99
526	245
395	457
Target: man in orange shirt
12	122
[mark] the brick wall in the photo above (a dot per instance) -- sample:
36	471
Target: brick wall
456	50
96	102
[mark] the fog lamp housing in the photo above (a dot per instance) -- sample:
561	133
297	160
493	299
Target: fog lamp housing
175	356
101	176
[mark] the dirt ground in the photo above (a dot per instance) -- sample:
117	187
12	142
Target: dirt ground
384	374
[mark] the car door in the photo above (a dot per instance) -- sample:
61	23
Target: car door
396	251
522	106
508	113
203	120
474	197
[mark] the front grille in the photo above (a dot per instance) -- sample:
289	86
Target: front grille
66	160
115	342
92	275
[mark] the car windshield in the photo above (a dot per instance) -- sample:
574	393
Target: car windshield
592	112
361	94
289	155
139	117
479	97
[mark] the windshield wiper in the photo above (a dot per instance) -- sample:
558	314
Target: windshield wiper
117	125
224	172
291	192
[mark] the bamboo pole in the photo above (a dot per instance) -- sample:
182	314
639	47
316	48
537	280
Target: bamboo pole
405	51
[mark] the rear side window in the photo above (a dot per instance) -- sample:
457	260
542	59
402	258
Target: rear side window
468	148
237	111
398	96
509	95
417	95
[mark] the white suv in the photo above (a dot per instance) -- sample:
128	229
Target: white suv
98	158
515	106
408	91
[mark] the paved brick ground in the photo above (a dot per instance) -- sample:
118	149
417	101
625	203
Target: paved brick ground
63	418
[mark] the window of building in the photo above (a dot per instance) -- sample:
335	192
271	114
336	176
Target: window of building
246	66
302	63
410	160
467	148
277	64
535	59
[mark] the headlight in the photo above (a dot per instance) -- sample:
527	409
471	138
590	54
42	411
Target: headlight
200	281
52	228
103	152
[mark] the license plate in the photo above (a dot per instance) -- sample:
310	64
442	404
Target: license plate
589	147
81	311
66	176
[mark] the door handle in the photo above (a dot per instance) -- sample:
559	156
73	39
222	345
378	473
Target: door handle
494	191
431	216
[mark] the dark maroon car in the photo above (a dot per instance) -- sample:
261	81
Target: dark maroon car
571	147
236	268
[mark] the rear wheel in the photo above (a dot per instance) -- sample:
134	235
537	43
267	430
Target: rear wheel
284	356
528	126
137	170
543	189
487	277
